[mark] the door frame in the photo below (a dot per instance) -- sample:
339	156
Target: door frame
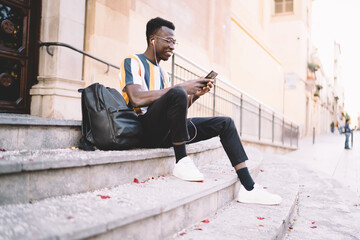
31	56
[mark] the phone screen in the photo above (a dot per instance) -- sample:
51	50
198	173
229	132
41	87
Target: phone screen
211	75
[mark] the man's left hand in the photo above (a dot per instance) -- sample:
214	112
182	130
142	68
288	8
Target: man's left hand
205	89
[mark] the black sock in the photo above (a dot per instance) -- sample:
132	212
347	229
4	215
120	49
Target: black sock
245	178
180	151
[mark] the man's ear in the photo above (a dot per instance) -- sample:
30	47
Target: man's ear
152	39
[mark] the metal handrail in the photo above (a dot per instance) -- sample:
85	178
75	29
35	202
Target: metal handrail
60	44
247	103
236	88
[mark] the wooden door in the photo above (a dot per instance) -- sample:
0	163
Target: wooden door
19	34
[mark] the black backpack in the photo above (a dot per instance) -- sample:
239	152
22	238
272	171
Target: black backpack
107	122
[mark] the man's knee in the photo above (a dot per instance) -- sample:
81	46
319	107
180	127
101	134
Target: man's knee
178	94
229	123
178	91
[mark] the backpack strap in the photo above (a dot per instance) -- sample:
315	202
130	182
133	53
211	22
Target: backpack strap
85	125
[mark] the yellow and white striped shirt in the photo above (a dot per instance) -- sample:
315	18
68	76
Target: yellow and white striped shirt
138	69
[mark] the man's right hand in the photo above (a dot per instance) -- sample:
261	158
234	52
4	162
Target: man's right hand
195	85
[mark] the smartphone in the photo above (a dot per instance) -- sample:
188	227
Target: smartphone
211	75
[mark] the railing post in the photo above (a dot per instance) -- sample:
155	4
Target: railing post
241	113
273	128
297	137
283	132
313	135
173	70
291	129
352	139
259	122
214	98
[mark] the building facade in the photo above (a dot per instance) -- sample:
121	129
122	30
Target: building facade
262	47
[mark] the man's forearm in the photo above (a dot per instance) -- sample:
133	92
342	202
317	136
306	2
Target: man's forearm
192	99
140	98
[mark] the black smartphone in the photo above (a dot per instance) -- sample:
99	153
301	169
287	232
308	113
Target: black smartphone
211	75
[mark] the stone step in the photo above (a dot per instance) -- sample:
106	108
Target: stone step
25	132
27	176
30	175
150	209
252	221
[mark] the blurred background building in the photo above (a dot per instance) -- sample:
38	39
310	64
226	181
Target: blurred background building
262	47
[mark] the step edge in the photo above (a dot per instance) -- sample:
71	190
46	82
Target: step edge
281	231
150	212
17	166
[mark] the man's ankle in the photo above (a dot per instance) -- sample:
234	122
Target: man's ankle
180	152
245	178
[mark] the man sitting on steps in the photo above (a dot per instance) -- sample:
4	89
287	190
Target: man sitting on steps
162	111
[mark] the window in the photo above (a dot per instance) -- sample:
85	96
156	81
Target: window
284	6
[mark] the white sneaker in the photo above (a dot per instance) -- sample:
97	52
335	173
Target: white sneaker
258	195
186	170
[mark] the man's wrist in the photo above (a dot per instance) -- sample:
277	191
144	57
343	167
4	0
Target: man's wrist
195	97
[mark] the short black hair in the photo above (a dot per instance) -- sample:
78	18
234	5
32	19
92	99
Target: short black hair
154	24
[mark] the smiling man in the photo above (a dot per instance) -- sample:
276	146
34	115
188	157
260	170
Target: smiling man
162	110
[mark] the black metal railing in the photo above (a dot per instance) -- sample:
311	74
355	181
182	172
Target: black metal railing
254	120
60	44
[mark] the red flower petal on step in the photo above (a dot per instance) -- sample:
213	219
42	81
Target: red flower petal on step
136	180
312	222
261	225
261	170
313	227
182	233
264	187
31	160
2	150
70	217
103	197
205	221
290	227
356	205
260	218
200	229
142	181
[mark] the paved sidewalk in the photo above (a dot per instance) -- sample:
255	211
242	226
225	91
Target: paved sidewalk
328	206
328	155
325	207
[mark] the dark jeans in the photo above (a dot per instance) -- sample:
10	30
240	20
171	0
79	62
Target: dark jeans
165	122
347	136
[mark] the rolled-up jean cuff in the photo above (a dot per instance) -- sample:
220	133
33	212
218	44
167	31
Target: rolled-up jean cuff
238	161
179	140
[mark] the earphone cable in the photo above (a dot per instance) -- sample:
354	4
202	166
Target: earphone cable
191	101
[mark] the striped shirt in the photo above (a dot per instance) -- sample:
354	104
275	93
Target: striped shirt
138	69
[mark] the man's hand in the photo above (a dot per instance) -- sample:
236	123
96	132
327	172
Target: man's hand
205	88
206	85
192	87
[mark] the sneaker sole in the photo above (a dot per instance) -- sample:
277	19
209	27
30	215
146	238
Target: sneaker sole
189	179
249	202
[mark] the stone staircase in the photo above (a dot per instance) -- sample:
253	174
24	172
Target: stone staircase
25	132
66	193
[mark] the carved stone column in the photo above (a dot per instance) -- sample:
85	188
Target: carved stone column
60	75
